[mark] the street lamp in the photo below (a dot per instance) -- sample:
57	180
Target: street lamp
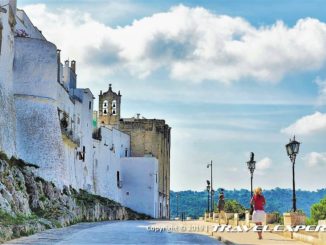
251	166
212	191
208	189
292	149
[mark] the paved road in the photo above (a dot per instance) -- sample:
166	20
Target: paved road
112	232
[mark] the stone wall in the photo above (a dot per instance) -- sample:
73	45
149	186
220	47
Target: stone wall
30	204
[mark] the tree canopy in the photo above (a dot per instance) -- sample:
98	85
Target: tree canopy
194	203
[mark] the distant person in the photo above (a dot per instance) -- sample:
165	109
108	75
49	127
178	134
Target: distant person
258	201
220	207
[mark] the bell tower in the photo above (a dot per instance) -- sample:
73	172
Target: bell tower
109	107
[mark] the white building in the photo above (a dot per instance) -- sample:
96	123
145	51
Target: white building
140	188
46	120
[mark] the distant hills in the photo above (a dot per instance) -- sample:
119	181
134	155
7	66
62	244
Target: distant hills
194	203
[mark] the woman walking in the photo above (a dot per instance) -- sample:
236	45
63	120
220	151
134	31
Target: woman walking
258	201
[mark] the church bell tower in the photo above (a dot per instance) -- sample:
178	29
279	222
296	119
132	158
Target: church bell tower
109	107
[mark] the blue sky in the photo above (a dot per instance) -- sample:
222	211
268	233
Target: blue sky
229	77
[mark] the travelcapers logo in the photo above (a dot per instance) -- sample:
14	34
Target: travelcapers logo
238	228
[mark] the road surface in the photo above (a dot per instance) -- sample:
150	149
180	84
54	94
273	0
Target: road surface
112	232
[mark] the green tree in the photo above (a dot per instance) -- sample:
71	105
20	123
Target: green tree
318	211
232	206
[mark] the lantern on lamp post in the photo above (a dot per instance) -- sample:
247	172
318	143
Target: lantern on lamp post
210	165
292	149
208	188
251	166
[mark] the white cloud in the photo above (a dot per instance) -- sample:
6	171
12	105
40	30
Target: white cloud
307	125
192	44
264	164
322	91
315	159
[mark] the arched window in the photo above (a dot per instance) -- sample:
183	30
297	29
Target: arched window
114	107
105	107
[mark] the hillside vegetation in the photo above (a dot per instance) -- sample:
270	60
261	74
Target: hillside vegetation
194	203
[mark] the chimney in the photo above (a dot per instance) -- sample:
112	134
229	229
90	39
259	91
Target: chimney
67	63
138	115
73	66
58	56
110	87
59	64
13	4
100	92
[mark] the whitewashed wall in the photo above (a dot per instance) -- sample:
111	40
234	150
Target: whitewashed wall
24	23
31	102
7	114
107	158
38	136
140	187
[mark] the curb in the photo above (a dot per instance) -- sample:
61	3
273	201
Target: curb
221	239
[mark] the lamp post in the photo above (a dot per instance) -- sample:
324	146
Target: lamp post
208	188
210	165
251	166
292	149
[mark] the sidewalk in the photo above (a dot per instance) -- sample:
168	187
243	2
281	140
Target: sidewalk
248	238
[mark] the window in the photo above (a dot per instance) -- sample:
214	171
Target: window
126	152
114	107
118	179
90	105
105	104
1	28
81	154
105	107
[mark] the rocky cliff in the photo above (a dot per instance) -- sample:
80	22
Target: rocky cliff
30	204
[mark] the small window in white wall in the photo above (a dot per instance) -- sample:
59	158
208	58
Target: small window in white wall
126	152
118	179
1	28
